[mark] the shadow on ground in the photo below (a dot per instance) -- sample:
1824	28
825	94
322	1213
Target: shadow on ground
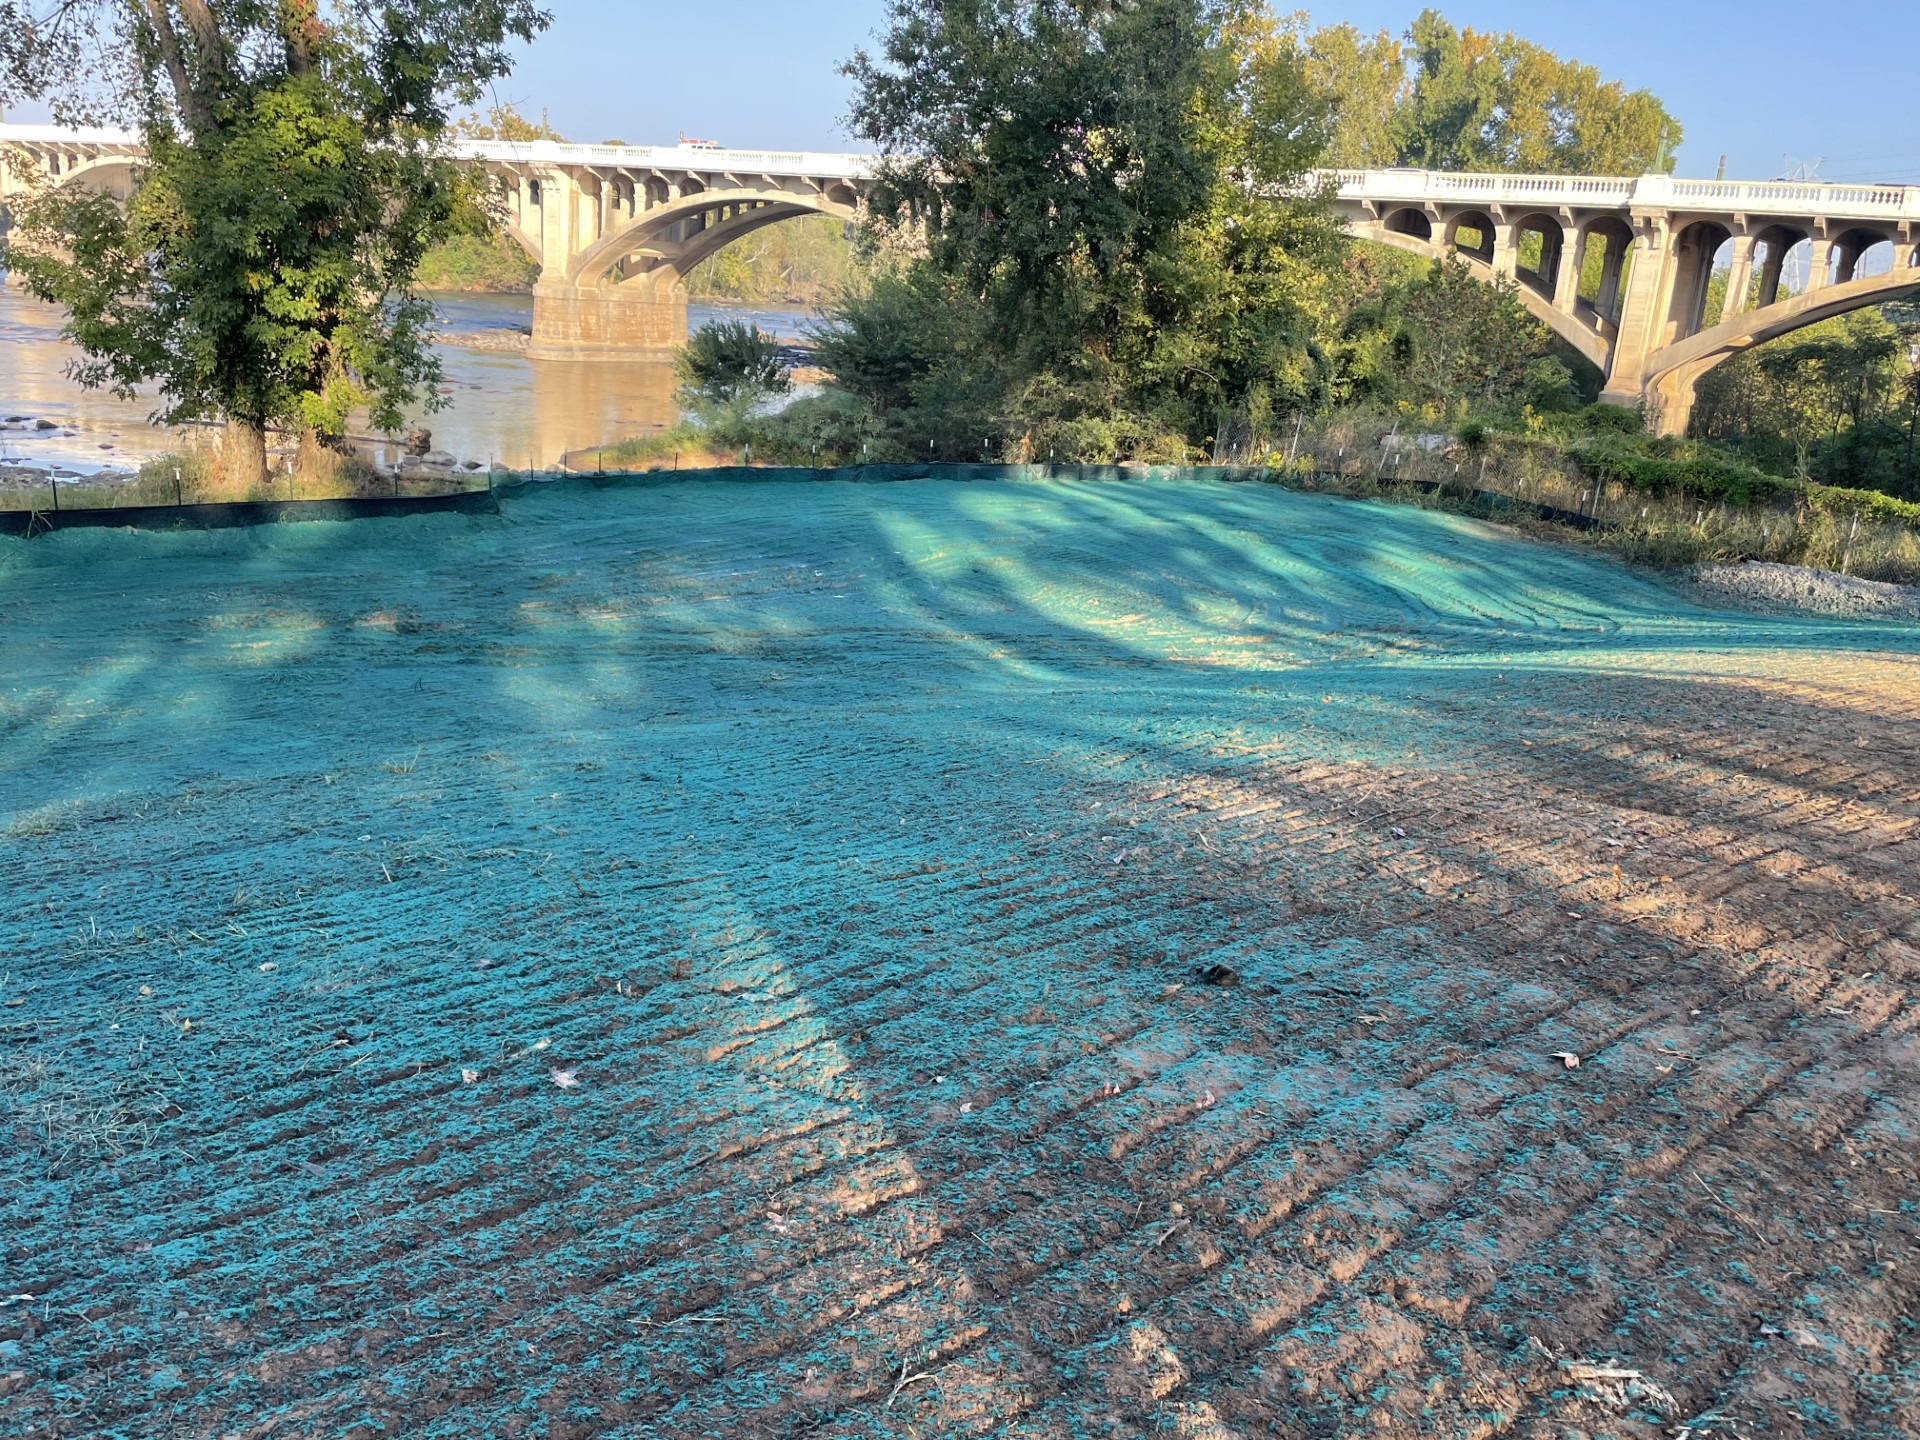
731	958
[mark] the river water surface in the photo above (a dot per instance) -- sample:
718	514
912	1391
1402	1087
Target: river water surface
499	406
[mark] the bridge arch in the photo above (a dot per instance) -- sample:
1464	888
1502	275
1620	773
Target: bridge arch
1409	220
669	240
1689	277
1850	250
1481	225
1674	371
113	175
1539	266
1610	239
625	296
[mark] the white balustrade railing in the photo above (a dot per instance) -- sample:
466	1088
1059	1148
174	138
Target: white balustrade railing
1649	192
1757	198
696	158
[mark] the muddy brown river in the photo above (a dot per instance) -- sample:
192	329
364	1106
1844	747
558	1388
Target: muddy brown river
499	406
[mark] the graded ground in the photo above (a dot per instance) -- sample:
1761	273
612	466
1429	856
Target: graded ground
747	959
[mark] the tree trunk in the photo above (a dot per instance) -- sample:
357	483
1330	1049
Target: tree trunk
245	459
187	88
300	25
322	469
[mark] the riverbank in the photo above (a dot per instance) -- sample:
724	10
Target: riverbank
497	405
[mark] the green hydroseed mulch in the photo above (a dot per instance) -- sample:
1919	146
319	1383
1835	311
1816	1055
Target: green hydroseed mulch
454	966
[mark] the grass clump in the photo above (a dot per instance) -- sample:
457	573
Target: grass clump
1662	503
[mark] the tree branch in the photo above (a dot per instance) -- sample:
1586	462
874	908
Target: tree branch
164	35
210	50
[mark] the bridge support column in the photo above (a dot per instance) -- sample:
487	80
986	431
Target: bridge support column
1506	249
1612	266
1770	273
1566	274
1649	292
1669	404
1739	278
641	319
1819	261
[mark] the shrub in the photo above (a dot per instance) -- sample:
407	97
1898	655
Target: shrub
1604	419
729	360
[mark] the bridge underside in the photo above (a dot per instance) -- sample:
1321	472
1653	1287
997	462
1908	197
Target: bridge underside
1632	294
615	254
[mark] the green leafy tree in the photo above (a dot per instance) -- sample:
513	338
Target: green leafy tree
1473	342
1366	76
1454	99
263	270
504	122
1454	96
1115	185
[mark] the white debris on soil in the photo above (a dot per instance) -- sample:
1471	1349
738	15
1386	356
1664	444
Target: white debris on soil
1764	585
1620	1388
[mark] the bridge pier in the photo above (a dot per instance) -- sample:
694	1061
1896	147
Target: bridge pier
1739	277
638	319
616	228
1648	296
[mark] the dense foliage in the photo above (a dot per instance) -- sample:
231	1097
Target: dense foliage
1836	402
1706	475
731	360
263	271
1123	254
806	261
1118	244
492	264
1448	99
1441	342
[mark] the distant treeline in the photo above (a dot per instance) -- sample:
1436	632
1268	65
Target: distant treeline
798	262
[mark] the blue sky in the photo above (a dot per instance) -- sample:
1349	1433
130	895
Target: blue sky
1754	80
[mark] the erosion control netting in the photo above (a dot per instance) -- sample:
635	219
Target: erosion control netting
940	959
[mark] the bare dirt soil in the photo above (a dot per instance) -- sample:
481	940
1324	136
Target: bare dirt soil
944	960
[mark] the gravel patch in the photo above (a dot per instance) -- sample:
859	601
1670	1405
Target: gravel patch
1796	587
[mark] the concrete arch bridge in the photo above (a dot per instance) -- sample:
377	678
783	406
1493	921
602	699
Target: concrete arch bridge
615	228
1619	267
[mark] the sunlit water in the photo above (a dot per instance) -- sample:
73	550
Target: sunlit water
499	407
